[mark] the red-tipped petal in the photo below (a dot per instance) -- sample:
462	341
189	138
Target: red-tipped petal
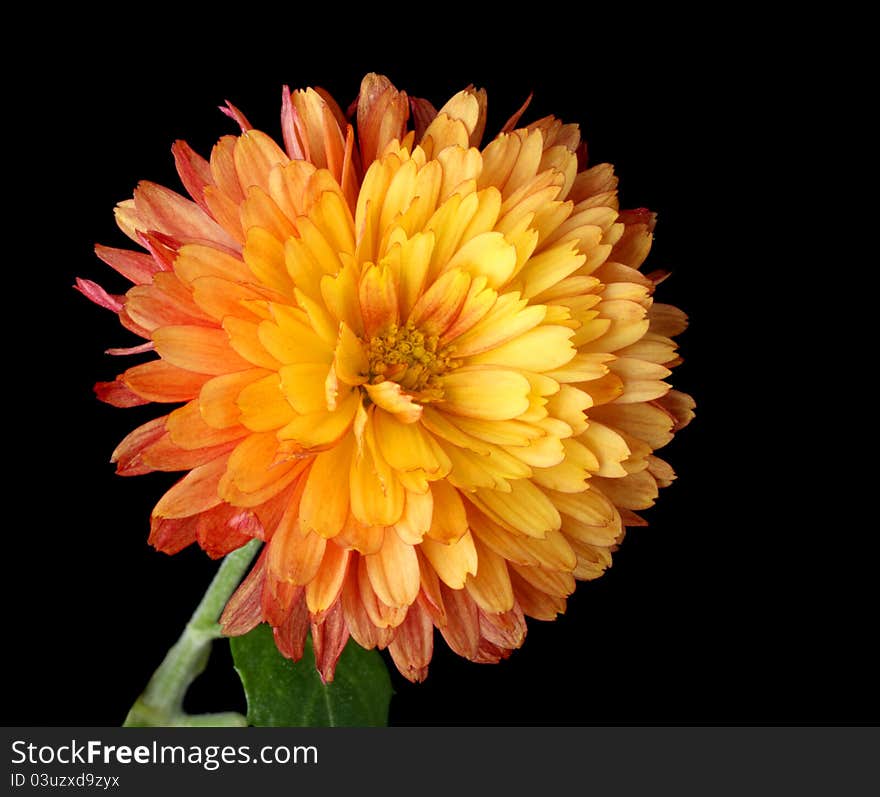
289	126
278	598
134	266
225	529
290	636
511	123
172	535
94	292
233	113
329	638
118	394
505	630
128	454
382	113
413	644
244	610
462	629
194	171
423	114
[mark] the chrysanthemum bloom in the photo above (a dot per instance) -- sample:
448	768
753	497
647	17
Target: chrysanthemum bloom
430	376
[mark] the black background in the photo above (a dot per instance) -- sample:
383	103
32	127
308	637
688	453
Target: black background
740	603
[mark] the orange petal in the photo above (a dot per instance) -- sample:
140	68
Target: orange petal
194	493
534	602
377	496
324	505
199	349
217	398
255	155
294	555
440	304
134	266
264	406
161	381
378	299
159	208
127	455
323	590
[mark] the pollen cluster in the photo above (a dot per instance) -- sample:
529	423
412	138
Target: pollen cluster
405	355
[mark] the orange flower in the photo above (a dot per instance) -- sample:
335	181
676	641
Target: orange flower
430	376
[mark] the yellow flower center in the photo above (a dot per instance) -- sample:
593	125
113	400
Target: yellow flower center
412	359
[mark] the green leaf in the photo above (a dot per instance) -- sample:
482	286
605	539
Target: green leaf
283	694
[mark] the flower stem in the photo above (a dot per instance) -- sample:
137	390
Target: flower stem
161	704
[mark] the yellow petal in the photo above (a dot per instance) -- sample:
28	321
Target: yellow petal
416	518
340	294
389	396
322	428
508	318
378	299
469	106
591	508
361	538
449	520
540	349
408	447
488	255
453	562
394	571
291	339
568	405
350	360
303	386
487	393
490	587
628	324
439	305
377	496
646	422
609	448
525	508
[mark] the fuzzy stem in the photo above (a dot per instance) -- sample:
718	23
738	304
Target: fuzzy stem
161	704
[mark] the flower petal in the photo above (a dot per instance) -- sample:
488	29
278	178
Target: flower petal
489	393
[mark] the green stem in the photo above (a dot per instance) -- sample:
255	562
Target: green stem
161	704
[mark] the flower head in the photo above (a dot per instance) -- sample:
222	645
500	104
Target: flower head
429	376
